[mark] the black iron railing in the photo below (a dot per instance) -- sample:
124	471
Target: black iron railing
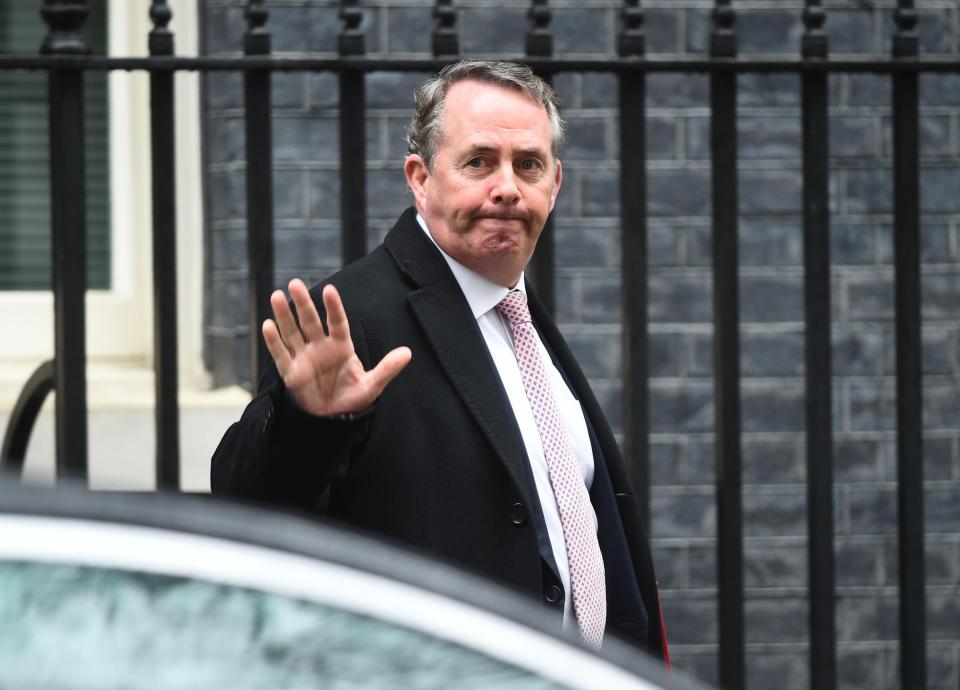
65	57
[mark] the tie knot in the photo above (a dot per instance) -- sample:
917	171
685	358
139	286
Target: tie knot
514	307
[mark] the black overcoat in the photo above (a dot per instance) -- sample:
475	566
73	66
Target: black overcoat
438	463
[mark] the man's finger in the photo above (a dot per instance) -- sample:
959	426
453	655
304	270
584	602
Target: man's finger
310	322
278	350
392	364
337	323
289	330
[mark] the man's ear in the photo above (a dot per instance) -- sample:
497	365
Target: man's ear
417	174
556	184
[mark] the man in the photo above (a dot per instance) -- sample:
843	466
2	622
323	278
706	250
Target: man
436	410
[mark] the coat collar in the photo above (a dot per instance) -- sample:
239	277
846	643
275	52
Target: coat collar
453	333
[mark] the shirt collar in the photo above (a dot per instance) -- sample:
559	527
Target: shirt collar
482	294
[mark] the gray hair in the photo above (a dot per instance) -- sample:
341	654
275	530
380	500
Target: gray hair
424	132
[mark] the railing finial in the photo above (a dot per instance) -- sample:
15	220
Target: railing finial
906	42
161	38
815	42
256	41
632	40
351	40
64	19
539	38
723	40
445	40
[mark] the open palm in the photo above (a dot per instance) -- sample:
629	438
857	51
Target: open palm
321	370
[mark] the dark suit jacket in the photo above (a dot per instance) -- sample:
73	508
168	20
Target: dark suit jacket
438	463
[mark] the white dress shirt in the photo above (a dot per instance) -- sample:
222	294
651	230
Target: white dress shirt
483	296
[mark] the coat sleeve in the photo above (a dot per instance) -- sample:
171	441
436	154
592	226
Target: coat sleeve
277	453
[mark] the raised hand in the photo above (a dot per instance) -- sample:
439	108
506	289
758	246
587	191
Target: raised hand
322	370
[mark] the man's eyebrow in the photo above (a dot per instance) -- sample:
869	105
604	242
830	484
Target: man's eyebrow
534	151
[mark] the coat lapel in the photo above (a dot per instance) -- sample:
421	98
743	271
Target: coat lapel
443	313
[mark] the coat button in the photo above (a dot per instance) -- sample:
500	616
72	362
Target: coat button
552	594
518	514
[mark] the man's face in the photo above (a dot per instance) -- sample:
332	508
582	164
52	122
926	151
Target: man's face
494	179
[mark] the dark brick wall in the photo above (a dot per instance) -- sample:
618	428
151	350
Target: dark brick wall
587	229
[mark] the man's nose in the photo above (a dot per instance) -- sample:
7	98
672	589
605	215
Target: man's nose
505	189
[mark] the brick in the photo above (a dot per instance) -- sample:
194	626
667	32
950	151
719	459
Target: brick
870	298
940	350
699	26
859	668
703	562
770	191
770	244
666	467
305	139
671	90
581	30
662	30
866	618
775	566
773	462
772	90
872	407
410	29
224	29
850	31
869	90
935	244
586	139
774	514
856	352
663	244
307	249
692	621
858	565
661	138
601	298
225	357
772	354
670	566
664	354
942	562
491	33
766	299
768	137
860	460
942	508
934	28
228	300
387	194
224	90
853	136
597	91
689	409
227	195
934	137
782	670
323	194
872	510
226	140
392	89
852	244
598	355
601	193
769	31
324	90
696	132
773	409
679	299
677	192
938	459
586	246
397	137
939	296
939	190
288	194
776	619
228	249
288	90
939	89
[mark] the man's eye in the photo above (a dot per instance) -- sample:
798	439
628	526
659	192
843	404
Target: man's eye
529	164
475	162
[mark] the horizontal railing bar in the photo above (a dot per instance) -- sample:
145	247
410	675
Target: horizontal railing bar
878	64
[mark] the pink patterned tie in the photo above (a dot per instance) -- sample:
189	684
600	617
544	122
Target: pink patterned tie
573	502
